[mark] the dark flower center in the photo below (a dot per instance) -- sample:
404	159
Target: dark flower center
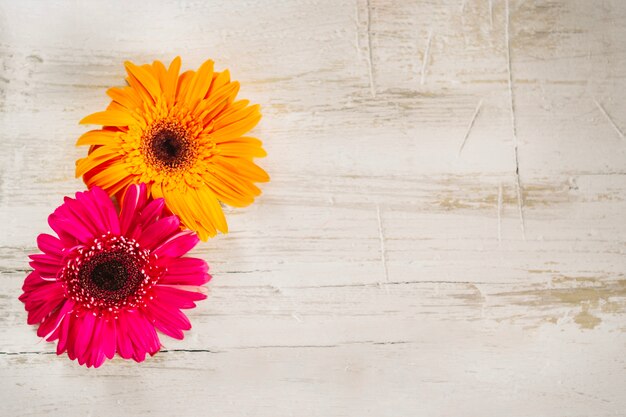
167	146
111	273
111	276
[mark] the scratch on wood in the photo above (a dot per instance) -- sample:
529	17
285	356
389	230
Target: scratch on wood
520	201
357	24
491	13
425	60
469	126
276	289
500	212
370	65
610	120
595	397
381	236
518	186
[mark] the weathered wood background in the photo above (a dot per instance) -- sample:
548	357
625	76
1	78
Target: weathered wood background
444	233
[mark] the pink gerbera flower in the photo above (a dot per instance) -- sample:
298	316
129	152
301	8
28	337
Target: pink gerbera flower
109	281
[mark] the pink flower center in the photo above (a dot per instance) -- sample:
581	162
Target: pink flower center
113	272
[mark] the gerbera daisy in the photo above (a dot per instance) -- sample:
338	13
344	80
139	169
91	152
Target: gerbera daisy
182	135
107	282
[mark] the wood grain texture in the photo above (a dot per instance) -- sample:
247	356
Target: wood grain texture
444	233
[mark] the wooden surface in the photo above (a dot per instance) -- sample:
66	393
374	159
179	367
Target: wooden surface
444	233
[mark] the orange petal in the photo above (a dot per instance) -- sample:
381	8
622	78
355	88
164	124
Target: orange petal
146	78
125	96
110	176
141	91
233	117
208	210
235	181
114	187
114	105
161	74
220	79
183	84
244	167
247	140
97	157
229	109
241	149
201	82
172	79
97	137
121	185
212	105
109	118
236	129
182	204
155	190
229	193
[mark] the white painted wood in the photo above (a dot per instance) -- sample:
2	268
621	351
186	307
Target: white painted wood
393	267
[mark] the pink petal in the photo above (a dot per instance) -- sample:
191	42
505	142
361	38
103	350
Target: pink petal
46	272
108	338
178	245
78	213
46	259
84	336
50	245
122	337
42	301
69	231
55	334
45	265
74	329
176	297
154	344
158	232
92	213
52	322
133	200
142	335
98	360
64	333
134	328
168	320
152	211
51	290
186	271
68	240
32	281
107	209
94	355
147	216
184	266
139	355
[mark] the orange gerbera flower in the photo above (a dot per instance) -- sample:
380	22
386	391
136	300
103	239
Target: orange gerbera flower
182	136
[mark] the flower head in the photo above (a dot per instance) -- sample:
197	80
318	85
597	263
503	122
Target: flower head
107	282
182	135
